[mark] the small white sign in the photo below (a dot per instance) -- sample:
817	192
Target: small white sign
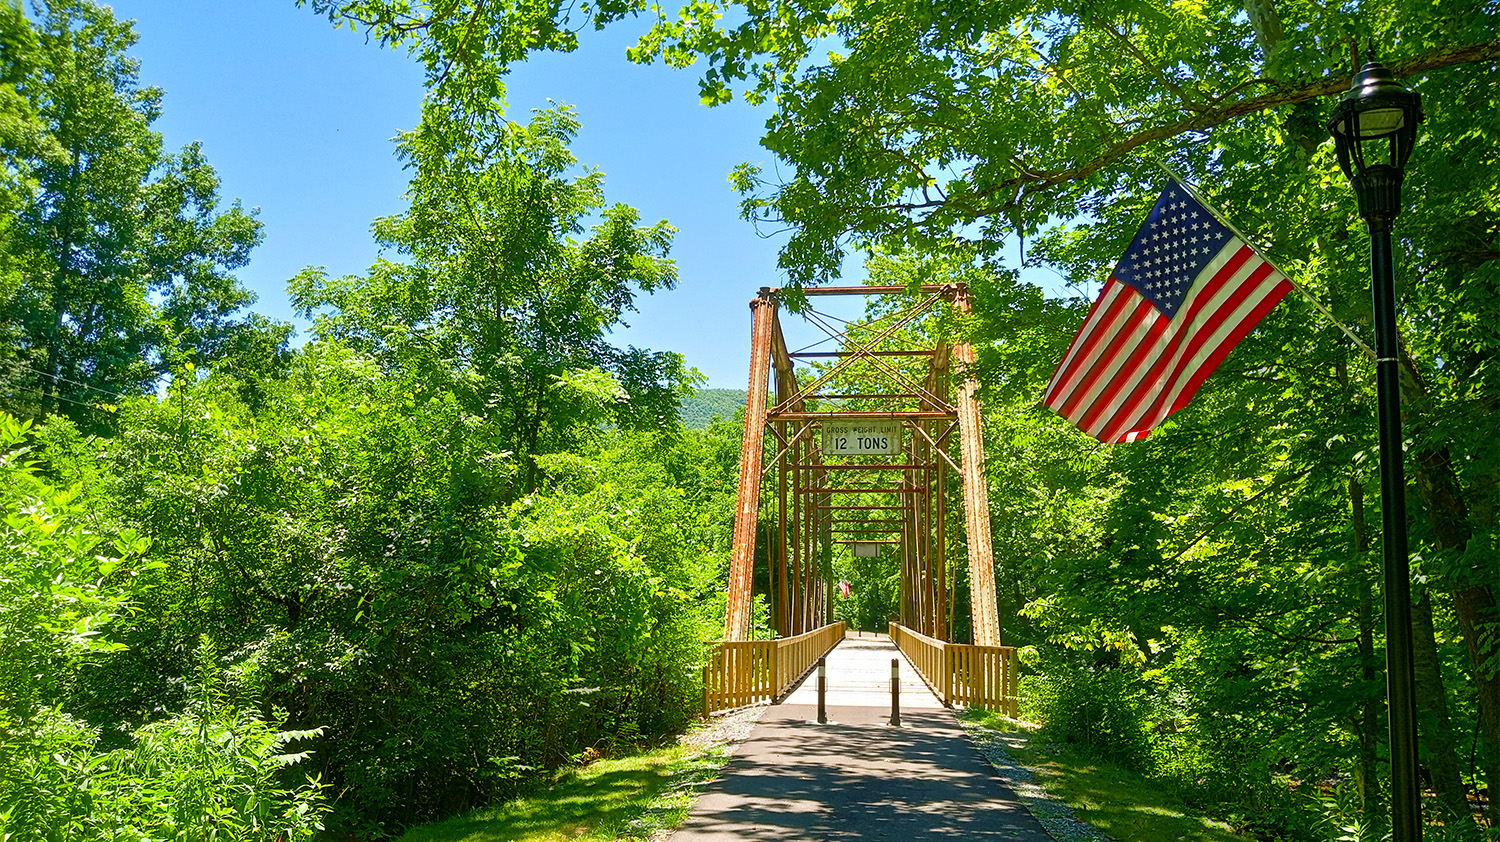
861	438
864	549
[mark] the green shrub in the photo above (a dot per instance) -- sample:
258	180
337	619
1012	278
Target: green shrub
212	774
1101	710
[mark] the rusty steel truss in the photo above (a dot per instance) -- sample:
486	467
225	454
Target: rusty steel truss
897	501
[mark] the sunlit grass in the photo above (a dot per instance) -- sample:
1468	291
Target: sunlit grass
1123	804
614	799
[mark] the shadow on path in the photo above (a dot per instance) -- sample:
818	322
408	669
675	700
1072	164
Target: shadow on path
858	778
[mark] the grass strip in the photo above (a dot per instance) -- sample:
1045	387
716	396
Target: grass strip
1093	797
626	798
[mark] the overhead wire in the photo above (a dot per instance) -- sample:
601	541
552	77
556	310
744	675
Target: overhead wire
59	377
44	395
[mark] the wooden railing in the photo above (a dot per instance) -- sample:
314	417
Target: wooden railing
745	672
961	673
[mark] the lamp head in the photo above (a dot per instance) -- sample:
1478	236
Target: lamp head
1374	128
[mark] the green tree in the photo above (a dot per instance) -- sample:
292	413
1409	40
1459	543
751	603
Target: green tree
122	252
464	533
23	139
347	552
497	300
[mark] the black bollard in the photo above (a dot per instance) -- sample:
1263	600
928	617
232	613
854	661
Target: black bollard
822	690
895	691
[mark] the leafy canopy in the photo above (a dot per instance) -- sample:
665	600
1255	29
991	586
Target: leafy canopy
495	299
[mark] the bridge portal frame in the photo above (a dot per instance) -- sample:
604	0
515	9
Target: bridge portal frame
804	493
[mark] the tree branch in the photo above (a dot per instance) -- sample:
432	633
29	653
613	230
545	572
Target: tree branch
1230	515
1026	185
1187	101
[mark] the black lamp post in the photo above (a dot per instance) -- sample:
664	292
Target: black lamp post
1374	128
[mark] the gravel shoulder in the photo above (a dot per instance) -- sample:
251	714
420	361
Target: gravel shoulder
1055	817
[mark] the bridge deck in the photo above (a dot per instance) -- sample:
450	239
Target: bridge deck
859	675
858	778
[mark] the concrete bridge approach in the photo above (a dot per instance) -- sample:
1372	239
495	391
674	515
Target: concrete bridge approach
857	777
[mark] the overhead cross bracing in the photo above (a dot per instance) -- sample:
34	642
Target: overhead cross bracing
873	430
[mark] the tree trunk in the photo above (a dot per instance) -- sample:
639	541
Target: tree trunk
1267	25
57	329
1473	598
1435	725
1475	605
1473	591
1367	725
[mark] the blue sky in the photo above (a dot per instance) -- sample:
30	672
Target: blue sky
297	118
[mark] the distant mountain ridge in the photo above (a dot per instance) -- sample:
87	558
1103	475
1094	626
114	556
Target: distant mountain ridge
700	409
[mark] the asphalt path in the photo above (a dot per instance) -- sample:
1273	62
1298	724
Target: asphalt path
857	777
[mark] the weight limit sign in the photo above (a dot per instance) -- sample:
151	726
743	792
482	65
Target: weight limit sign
861	438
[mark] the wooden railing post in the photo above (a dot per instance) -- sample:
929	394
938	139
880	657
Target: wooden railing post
776	662
961	673
945	671
745	672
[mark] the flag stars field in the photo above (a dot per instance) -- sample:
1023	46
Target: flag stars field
1169	314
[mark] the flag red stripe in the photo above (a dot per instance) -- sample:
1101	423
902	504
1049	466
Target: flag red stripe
1206	311
1078	338
1240	332
1123	344
1160	338
1186	368
1101	331
1149	385
1216	320
1188	378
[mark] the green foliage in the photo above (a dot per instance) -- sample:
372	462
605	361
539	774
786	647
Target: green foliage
55	561
209	774
701	407
119	253
498	305
349	546
212	771
452	542
1099	709
910	126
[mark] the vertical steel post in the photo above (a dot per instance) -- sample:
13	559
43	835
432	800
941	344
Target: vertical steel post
809	547
908	551
919	521
929	577
747	509
941	588
895	691
783	614
799	510
984	606
1406	800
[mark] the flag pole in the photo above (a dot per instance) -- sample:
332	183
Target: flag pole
1202	200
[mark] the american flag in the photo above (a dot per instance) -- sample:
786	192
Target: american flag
1185	293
